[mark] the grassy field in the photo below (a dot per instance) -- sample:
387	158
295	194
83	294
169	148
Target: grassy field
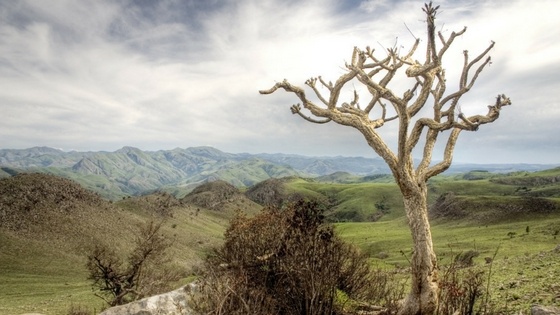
392	241
36	280
44	272
47	278
52	283
525	269
512	218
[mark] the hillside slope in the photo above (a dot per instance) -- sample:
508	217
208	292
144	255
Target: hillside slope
49	224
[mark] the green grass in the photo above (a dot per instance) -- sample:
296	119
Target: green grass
525	270
51	283
355	202
470	188
393	238
375	238
497	214
38	280
46	274
50	277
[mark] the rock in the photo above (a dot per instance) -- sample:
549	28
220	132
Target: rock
171	303
544	310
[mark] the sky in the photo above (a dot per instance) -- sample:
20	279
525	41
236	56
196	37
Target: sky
157	75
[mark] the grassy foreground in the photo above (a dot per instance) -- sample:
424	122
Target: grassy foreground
47	278
525	269
389	242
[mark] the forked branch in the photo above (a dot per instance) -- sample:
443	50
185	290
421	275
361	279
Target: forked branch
375	75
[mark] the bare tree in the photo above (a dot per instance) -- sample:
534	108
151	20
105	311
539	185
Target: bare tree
428	83
146	272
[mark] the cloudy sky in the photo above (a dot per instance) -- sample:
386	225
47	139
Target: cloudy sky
100	75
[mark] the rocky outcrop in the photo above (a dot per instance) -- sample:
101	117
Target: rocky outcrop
171	303
544	310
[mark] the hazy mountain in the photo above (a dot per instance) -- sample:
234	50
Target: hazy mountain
131	171
327	165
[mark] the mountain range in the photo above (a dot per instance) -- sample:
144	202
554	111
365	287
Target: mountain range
131	171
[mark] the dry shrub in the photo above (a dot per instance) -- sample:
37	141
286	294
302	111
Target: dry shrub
146	271
286	262
460	290
465	259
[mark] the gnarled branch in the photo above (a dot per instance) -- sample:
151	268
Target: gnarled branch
375	74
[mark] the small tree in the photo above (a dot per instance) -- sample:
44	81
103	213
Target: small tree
429	86
144	273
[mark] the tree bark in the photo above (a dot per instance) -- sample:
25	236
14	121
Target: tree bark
423	296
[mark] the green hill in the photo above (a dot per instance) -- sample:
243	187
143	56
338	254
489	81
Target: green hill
130	171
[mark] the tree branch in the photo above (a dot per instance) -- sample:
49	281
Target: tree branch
300	93
430	81
296	109
447	43
312	83
447	156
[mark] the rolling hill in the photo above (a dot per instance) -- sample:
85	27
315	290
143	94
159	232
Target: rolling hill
131	171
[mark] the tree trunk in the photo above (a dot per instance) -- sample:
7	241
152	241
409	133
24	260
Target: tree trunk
423	297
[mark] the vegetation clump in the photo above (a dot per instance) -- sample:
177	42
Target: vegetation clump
270	192
448	206
31	198
146	270
288	261
212	195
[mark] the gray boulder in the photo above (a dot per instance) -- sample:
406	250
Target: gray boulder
171	303
544	310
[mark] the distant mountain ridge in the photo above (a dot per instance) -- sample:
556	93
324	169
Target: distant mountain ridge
131	171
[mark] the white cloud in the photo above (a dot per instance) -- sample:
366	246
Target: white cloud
104	74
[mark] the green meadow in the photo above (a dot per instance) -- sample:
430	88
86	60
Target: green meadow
512	222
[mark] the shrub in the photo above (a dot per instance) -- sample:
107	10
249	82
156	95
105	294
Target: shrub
144	273
286	262
459	290
383	205
465	259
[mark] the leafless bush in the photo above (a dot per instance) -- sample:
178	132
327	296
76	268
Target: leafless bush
459	290
287	262
145	272
465	259
461	285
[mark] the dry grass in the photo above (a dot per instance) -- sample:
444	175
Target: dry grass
44	246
